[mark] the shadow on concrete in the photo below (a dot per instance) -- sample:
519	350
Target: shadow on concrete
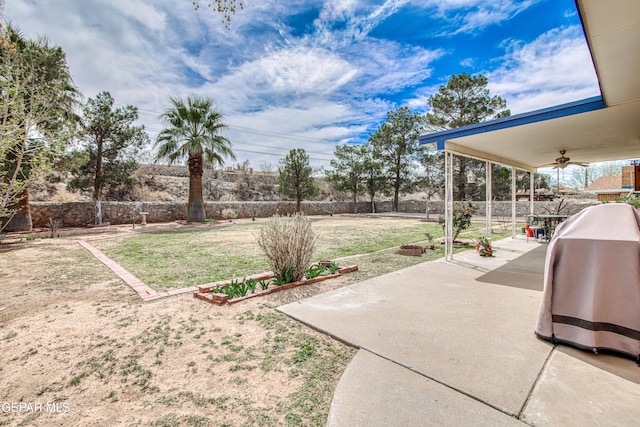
524	272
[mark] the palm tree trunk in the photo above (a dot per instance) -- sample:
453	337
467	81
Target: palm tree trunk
21	221
195	207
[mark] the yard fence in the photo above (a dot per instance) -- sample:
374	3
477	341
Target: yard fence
74	214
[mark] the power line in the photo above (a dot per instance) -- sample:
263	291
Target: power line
266	132
276	154
258	131
253	130
267	146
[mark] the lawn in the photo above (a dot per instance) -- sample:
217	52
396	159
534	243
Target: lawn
174	259
75	334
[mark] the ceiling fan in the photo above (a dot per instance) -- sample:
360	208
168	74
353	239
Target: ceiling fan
562	162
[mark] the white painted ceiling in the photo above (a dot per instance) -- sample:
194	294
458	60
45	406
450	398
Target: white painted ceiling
612	29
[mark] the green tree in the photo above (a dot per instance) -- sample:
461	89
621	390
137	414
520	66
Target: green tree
375	180
191	132
348	173
583	177
110	143
38	100
463	101
433	176
295	178
540	180
396	144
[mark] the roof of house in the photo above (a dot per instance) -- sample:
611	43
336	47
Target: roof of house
592	130
606	184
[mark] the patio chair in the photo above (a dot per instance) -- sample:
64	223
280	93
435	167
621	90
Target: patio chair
536	223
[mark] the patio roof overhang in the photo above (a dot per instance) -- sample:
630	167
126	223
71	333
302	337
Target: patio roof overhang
592	130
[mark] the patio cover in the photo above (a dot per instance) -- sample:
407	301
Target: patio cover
591	296
597	129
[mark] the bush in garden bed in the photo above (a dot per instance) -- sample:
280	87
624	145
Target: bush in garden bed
237	289
288	244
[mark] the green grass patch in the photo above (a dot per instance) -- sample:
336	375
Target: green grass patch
176	259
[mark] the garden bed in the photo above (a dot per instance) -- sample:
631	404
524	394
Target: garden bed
217	293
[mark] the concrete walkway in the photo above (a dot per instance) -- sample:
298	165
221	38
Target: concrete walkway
453	344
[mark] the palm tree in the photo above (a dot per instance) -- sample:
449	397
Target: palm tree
192	132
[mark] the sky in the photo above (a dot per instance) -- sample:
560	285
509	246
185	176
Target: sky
313	74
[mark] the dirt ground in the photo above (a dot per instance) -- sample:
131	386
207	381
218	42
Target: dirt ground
79	347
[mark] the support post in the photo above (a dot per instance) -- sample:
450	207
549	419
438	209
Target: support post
513	203
488	199
532	192
448	206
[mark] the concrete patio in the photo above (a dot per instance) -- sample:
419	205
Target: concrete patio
453	344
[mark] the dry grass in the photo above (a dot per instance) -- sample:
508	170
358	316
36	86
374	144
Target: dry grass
288	243
72	332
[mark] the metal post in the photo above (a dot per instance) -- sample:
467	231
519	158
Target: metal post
448	206
513	203
488	199
532	191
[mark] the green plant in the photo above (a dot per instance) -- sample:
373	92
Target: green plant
264	284
461	218
333	267
288	244
631	199
315	270
285	276
432	244
484	246
251	285
242	288
483	240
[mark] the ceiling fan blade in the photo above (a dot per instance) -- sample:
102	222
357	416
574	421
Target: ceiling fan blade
548	165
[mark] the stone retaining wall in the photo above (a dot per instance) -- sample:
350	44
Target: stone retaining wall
82	213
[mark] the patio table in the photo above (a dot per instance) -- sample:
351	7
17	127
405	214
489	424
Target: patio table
551	221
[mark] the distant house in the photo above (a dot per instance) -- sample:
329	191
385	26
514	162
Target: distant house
608	188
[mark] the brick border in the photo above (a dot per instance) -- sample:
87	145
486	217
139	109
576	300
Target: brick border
205	292
200	292
138	286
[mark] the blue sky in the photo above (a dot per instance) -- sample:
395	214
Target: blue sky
313	74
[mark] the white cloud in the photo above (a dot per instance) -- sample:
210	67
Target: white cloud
467	62
143	13
553	69
341	22
329	82
467	16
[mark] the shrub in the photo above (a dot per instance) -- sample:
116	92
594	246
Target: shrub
631	199
288	244
461	218
229	214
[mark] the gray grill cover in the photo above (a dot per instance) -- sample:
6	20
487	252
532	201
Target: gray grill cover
591	295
